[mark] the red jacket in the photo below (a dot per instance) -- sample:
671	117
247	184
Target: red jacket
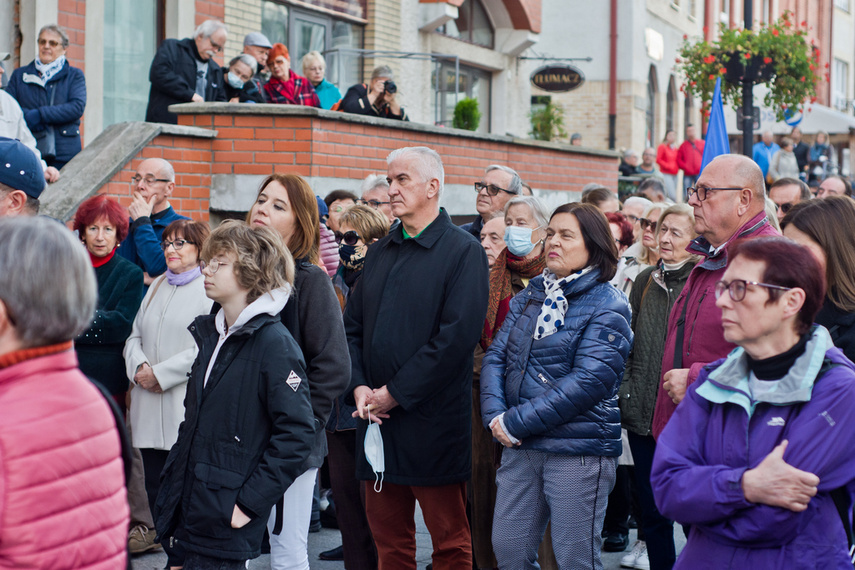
666	158
63	502
689	157
703	335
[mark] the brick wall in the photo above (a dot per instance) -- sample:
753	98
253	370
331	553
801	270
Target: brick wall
72	18
242	17
191	157
207	9
322	147
383	32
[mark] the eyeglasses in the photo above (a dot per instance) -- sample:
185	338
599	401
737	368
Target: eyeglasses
177	244
212	266
632	219
51	43
785	207
646	224
703	192
149	180
373	203
217	47
491	189
349	238
737	288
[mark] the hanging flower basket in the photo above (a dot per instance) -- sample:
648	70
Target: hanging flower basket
777	56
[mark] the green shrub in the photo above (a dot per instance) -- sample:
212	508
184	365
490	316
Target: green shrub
466	115
547	123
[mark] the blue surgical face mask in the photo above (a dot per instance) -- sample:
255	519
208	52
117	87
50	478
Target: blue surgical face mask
374	453
235	81
518	240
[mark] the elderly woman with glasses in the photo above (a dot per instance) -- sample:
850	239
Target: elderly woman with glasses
102	224
160	351
285	86
549	387
757	453
52	95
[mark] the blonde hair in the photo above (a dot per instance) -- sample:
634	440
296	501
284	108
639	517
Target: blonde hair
369	223
262	262
310	57
644	256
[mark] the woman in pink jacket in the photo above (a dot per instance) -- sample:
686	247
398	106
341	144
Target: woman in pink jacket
62	497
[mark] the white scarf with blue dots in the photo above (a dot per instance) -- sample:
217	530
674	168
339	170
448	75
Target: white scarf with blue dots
555	305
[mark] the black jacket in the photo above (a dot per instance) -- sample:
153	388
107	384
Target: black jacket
173	79
244	439
412	325
356	101
313	317
840	324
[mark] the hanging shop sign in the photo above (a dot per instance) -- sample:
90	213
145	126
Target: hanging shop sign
557	78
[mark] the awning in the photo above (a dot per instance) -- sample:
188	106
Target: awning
815	118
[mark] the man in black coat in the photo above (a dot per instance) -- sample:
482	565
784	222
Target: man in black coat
412	325
184	71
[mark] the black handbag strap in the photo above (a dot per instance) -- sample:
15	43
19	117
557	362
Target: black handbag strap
681	329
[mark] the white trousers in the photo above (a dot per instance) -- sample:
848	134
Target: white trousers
289	549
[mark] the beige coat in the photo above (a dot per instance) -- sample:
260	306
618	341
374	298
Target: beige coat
160	338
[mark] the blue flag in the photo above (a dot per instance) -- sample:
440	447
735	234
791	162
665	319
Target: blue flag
716	142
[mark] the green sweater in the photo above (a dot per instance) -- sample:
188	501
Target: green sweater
651	298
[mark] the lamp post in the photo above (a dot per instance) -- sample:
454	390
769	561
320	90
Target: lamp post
748	92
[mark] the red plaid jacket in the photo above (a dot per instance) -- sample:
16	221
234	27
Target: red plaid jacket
296	91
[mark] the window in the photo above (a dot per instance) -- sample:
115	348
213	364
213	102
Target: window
472	24
839	82
473	82
842	4
130	42
303	31
651	107
670	105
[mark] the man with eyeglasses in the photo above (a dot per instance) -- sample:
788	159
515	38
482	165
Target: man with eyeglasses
786	193
184	71
729	204
150	211
375	193
499	185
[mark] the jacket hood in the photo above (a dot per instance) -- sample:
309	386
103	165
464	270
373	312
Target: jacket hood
733	382
271	303
716	259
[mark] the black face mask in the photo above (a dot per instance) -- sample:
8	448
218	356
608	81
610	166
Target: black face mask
352	256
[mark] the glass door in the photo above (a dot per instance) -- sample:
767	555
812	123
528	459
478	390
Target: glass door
309	33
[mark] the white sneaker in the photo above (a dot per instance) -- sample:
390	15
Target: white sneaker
637	557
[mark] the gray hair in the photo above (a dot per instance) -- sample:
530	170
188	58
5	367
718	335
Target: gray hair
45	310
535	205
209	27
313	55
637	201
372	181
382	71
247	59
515	186
429	165
58	31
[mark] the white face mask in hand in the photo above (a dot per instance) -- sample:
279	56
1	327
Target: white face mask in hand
374	453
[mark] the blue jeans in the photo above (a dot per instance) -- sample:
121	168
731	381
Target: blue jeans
658	531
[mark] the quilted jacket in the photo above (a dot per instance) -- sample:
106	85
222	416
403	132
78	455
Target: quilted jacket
559	393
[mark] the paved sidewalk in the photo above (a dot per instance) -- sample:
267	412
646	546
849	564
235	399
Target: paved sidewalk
327	539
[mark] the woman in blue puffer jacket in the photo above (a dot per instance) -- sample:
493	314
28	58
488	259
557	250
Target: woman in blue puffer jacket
549	387
52	95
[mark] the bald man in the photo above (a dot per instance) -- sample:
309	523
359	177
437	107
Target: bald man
152	185
729	204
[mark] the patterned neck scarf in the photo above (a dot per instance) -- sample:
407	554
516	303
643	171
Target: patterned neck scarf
555	305
501	289
48	70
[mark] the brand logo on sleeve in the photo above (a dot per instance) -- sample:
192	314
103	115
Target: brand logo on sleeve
777	422
293	380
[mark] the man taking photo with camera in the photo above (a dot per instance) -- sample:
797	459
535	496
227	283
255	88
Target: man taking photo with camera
378	99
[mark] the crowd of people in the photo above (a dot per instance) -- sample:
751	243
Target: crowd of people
184	71
562	373
533	389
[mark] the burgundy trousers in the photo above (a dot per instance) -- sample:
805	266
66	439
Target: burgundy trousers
391	517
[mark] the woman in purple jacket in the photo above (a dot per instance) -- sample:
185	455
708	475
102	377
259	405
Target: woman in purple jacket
752	455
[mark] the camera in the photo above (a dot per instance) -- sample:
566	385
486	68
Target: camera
390	87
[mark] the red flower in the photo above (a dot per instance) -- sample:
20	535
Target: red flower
813	99
747	56
804	23
677	60
712	77
709	59
802	79
767	60
776	32
826	66
695	82
685	36
812	67
723	70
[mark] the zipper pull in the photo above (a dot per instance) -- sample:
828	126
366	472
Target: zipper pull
544	380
